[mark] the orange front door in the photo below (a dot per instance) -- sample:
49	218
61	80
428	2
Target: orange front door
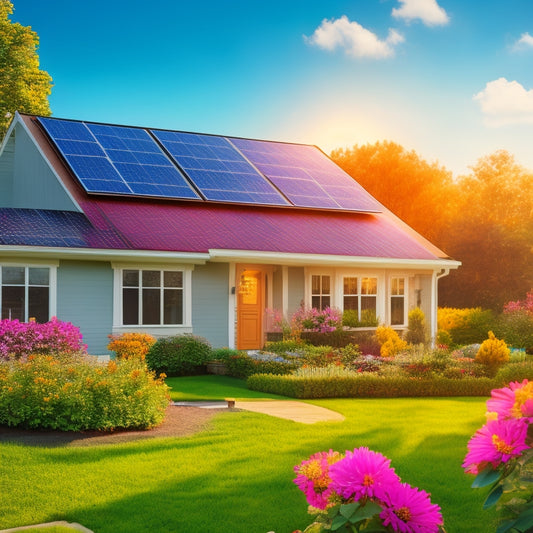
250	311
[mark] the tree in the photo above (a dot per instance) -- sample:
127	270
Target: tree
23	86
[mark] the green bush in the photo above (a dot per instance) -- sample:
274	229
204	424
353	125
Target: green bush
367	385
285	346
338	338
242	366
516	328
181	355
514	372
474	328
76	393
416	327
368	319
223	354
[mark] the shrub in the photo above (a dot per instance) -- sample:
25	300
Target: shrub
350	319
224	354
466	326
128	345
242	365
74	393
416	327
493	352
516	328
514	372
322	321
20	339
340	338
444	338
181	355
391	343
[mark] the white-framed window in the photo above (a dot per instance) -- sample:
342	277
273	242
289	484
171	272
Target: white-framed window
154	296
397	301
320	291
27	292
360	293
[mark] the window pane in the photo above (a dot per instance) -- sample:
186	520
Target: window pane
325	302
13	276
397	287
350	303
130	306
325	285
151	278
13	303
315	302
151	305
350	285
130	278
38	303
173	279
315	282
173	306
397	311
369	286
368	302
39	276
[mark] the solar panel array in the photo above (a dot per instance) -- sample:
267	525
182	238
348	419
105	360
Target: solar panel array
126	160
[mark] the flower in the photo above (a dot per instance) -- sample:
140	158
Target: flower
313	477
409	510
362	473
496	442
514	401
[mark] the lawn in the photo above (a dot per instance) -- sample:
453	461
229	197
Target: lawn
236	477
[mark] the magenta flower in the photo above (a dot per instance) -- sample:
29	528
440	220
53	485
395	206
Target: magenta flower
409	510
362	473
313	478
514	401
496	442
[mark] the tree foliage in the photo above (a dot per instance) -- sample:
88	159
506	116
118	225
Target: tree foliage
483	219
23	86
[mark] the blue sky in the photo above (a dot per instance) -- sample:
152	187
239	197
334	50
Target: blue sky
451	79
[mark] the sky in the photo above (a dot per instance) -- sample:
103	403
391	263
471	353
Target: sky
450	79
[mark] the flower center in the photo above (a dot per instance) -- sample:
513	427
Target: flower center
403	513
521	397
368	480
501	445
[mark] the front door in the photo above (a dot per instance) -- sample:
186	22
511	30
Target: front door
250	310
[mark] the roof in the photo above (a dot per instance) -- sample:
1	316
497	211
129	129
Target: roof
169	225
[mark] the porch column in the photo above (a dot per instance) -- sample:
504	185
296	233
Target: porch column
232	306
285	291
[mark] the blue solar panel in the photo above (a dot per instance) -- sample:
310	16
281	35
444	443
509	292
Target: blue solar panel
306	176
117	159
218	170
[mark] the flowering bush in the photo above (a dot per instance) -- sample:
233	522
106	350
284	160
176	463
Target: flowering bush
500	454
361	492
20	339
493	352
525	305
322	321
131	345
391	343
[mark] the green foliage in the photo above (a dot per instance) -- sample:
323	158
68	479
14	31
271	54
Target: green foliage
180	355
223	354
23	86
416	327
516	328
493	352
335	339
443	338
368	319
242	366
285	346
514	372
76	393
366	385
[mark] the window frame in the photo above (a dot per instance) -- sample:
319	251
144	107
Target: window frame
52	285
359	295
391	296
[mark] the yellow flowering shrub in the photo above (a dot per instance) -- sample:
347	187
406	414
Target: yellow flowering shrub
131	345
391	343
493	352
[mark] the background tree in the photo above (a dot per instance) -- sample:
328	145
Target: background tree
23	86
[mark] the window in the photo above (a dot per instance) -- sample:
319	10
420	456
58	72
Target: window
397	302
360	294
25	293
152	297
320	292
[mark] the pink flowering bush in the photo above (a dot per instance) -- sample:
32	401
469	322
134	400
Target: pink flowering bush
520	305
500	454
359	491
321	321
20	339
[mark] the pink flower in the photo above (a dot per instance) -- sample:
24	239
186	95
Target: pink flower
514	401
313	478
496	442
362	473
409	510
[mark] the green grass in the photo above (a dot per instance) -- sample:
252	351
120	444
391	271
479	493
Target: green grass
236	477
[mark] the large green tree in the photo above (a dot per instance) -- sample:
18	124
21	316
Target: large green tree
23	85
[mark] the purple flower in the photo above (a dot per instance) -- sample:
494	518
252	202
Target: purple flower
409	510
496	442
362	473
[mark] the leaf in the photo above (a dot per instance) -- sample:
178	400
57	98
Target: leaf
505	526
338	522
493	497
525	520
366	511
486	477
348	509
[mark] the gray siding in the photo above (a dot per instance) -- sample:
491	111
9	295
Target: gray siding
210	301
6	173
296	289
35	186
277	289
85	298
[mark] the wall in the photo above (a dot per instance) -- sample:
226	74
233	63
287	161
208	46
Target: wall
6	173
210	307
85	298
296	288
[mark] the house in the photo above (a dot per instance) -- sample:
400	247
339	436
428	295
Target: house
119	228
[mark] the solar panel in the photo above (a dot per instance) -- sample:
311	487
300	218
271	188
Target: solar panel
306	176
117	160
218	170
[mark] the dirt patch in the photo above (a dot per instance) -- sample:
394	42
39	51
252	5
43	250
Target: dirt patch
179	422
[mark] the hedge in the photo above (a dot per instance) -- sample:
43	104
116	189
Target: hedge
368	386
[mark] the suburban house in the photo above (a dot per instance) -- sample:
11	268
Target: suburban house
119	228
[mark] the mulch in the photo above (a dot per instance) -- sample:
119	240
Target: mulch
179	421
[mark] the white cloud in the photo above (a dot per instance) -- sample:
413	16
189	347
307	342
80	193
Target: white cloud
356	40
428	11
525	41
506	102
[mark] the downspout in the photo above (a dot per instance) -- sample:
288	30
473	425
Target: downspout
434	302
